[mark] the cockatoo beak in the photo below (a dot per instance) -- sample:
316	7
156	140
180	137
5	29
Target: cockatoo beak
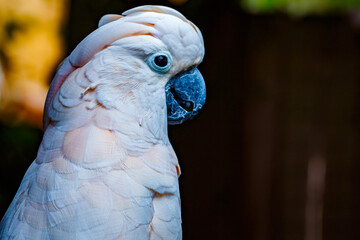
185	95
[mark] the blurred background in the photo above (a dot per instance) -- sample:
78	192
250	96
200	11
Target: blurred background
274	154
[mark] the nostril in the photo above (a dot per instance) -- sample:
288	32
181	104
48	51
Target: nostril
187	105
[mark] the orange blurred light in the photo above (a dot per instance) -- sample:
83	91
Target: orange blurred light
31	46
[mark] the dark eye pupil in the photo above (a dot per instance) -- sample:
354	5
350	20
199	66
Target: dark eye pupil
161	60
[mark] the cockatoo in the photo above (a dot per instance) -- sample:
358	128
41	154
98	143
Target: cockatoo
105	168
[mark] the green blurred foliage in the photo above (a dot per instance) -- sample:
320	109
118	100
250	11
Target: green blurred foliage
300	7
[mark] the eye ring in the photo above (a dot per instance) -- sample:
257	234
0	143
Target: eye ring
160	62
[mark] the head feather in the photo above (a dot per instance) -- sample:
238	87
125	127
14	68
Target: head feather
184	41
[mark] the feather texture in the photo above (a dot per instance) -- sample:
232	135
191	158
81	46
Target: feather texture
105	168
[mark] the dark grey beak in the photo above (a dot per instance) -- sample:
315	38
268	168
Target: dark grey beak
185	96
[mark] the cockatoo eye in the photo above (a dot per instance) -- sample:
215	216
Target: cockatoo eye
160	62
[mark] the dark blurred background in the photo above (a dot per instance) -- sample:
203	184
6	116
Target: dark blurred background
275	152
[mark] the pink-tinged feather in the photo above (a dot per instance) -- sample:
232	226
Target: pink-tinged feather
157	159
48	155
65	69
34	217
158	182
97	195
75	144
161	228
167	207
64	167
120	183
92	147
46	178
53	138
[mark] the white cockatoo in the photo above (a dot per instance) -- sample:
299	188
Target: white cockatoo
105	168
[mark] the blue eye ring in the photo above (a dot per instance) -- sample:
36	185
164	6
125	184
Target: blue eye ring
160	62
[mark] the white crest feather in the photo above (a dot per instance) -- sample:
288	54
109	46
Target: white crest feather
108	18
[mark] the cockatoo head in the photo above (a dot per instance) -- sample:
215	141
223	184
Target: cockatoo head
138	53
